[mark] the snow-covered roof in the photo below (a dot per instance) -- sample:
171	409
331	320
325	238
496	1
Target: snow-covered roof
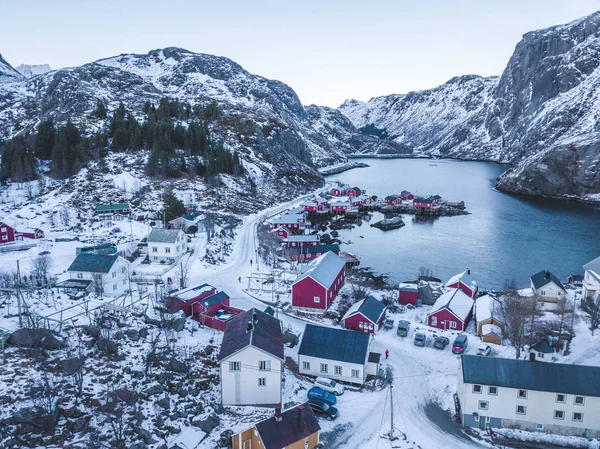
303	238
464	278
164	235
455	301
370	308
287	219
488	329
324	269
407	287
485	308
296	211
340	204
544	277
594	267
193	292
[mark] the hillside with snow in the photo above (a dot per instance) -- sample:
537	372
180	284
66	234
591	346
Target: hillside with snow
7	72
31	70
542	114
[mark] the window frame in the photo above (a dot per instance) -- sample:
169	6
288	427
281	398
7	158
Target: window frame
559	414
522	396
355	374
316	299
490	391
577	420
262	381
524	407
475	387
235	367
306	365
483	405
264	365
564	398
579	403
324	368
337	368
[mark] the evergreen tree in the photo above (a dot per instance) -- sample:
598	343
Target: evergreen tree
44	140
18	162
173	207
67	154
100	111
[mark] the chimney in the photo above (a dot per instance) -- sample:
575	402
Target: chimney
278	415
468	271
547	274
301	418
249	329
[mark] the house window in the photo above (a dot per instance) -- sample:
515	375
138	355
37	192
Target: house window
4	237
522	394
167	250
483	405
539	426
434	320
235	366
262	381
154	249
579	400
317	299
264	365
306	365
493	391
521	410
3	230
323	367
577	416
452	324
79	275
355	373
337	370
561	398
559	414
114	274
476	388
540	355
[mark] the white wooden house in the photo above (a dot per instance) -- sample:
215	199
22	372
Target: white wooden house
251	360
548	290
166	245
336	353
550	397
187	197
101	274
591	279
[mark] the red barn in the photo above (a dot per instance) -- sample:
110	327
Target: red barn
452	310
365	316
282	231
407	294
353	191
33	233
424	203
465	282
184	299
9	234
316	288
406	195
340	190
393	200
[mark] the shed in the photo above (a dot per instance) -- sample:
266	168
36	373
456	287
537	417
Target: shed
365	316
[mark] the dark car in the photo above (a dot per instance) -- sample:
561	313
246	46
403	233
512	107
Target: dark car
321	395
420	339
323	408
441	342
460	344
403	327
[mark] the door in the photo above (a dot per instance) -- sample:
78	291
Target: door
482	422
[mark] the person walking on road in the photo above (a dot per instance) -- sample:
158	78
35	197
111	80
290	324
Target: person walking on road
387	353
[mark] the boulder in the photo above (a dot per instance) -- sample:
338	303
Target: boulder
118	336
164	402
178	324
208	424
91	331
154	389
144	332
144	434
132	334
70	366
108	346
35	338
152	321
127	396
176	366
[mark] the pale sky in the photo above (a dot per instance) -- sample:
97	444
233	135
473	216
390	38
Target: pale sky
327	51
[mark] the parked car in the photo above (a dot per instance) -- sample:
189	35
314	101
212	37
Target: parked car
441	342
329	385
484	350
388	323
461	342
322	395
323	408
403	327
419	339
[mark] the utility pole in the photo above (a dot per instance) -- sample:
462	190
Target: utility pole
392	436
19	294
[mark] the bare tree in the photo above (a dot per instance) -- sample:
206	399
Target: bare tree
40	269
514	312
98	283
425	273
183	271
209	225
563	311
65	216
591	306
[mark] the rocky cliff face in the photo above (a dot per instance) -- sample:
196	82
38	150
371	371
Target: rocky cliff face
7	72
263	119
31	70
542	114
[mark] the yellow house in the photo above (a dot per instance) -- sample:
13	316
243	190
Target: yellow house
294	428
489	326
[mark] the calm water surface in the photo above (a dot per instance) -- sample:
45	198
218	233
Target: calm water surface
505	237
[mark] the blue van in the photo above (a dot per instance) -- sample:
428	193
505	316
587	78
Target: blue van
321	395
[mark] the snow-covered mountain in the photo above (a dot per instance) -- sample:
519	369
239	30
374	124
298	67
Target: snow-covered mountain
7	72
542	113
31	70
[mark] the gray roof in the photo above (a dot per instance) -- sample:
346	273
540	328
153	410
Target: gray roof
335	344
593	265
543	278
543	346
539	376
324	269
266	334
93	263
164	235
371	308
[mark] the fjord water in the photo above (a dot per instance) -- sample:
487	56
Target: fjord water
505	237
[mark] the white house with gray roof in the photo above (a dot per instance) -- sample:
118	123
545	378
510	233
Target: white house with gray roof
548	290
591	278
166	245
101	274
549	397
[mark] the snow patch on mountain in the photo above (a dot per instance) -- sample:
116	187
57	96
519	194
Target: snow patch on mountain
31	70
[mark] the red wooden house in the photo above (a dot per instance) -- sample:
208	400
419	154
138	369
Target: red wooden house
353	192
316	206
406	195
465	282
282	231
184	299
452	310
32	233
302	240
304	253
292	222
340	207
340	190
9	234
407	294
393	200
316	288
365	316
424	203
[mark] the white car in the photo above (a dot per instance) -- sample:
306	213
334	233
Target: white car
329	385
484	350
